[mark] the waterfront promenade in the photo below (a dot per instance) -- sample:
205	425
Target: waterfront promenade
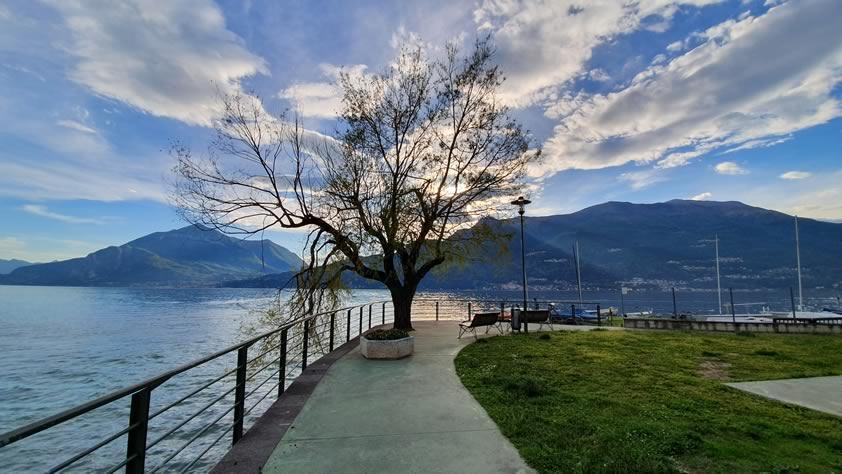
349	414
409	415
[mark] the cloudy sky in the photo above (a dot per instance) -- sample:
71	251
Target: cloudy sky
632	100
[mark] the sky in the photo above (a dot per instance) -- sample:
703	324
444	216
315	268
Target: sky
630	100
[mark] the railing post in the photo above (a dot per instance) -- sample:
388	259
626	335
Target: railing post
139	418
598	316
282	375
369	316
348	327
332	323
306	341
383	312
361	321
674	306
437	310
240	393
469	310
573	312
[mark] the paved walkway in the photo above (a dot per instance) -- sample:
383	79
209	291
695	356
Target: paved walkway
818	393
410	415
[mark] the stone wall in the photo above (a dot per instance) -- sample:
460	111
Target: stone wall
681	325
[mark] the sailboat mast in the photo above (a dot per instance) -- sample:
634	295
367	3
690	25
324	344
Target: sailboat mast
578	271
718	284
798	263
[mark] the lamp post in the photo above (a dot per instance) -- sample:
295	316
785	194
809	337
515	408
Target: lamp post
521	203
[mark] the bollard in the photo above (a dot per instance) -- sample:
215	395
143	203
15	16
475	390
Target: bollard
437	310
598	316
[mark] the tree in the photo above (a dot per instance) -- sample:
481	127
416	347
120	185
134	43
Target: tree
423	151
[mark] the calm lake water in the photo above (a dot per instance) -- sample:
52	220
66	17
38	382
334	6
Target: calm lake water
63	346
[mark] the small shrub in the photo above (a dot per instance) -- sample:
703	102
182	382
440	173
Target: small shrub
386	334
482	341
545	337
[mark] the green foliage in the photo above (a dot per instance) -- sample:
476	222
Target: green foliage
629	401
386	334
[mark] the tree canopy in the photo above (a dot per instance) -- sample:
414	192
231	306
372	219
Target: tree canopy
423	151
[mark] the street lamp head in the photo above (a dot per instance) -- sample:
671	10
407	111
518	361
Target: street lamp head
520	202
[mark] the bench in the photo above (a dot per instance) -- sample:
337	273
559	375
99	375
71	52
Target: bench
536	316
488	320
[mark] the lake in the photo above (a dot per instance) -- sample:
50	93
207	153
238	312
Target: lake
63	346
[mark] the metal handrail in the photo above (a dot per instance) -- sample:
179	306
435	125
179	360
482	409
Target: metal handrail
140	395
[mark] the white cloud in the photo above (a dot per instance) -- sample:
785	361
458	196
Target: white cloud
729	168
819	197
77	126
643	179
544	43
42	211
598	75
792	175
120	180
320	99
701	197
749	83
166	58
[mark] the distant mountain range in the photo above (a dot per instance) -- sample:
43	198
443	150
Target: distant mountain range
6	266
190	256
645	245
671	243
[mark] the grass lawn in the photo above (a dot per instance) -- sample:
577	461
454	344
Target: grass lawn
633	401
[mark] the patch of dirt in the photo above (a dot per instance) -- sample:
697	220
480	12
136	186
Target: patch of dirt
714	370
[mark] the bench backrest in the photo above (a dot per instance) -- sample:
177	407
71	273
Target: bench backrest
535	316
484	319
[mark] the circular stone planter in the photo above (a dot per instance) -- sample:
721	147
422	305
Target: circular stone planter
387	349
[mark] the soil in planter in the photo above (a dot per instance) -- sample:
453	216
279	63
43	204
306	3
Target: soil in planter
386	334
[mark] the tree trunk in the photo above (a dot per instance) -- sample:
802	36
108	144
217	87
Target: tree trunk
402	302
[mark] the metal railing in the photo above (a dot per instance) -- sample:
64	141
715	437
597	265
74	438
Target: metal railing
288	350
463	308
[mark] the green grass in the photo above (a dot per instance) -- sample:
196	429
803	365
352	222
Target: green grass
633	401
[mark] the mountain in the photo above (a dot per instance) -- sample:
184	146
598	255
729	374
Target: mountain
671	243
190	256
6	266
650	245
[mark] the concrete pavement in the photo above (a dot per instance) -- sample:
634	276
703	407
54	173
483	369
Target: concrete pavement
818	393
409	415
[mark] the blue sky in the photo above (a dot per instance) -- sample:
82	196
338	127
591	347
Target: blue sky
641	101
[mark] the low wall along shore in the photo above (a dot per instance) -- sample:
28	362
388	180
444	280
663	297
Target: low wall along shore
686	325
